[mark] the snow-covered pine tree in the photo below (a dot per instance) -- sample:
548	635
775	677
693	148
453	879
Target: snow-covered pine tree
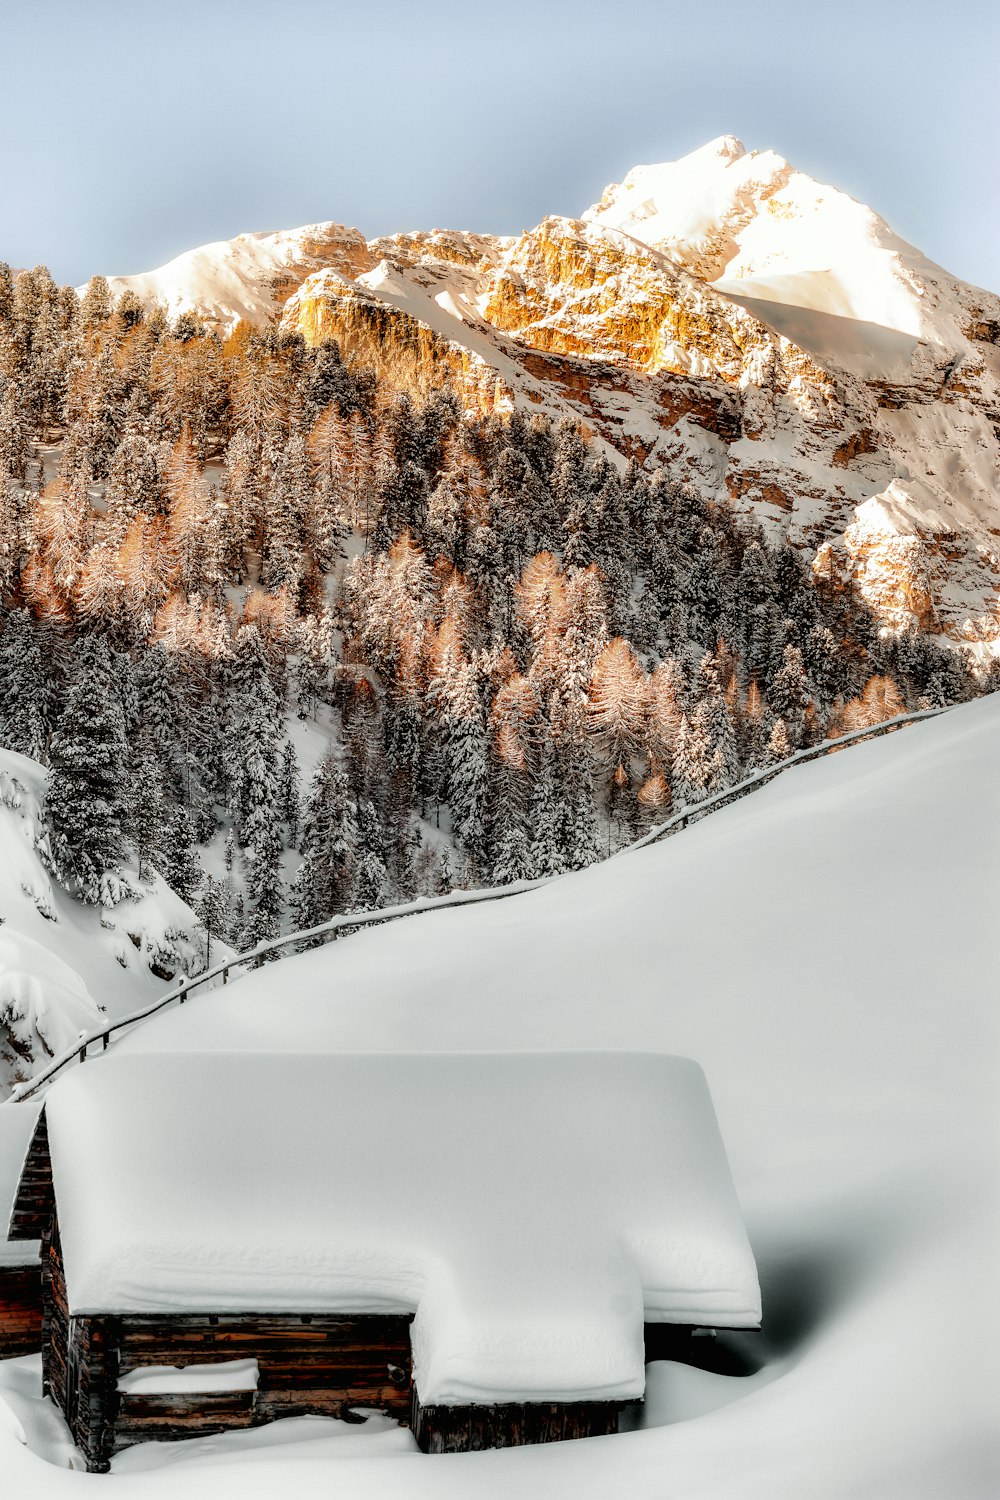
12	538
666	696
713	724
86	809
579	837
288	793
286	516
262	871
445	882
24	698
147	807
778	745
15	436
177	854
193	543
253	734
370	873
514	724
212	908
788	694
692	766
324	884
465	746
547	816
755	729
95	304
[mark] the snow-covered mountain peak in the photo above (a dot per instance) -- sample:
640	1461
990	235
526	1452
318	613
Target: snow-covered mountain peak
762	231
726	147
692	209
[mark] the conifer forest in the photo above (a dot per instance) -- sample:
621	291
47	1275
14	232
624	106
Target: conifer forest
519	655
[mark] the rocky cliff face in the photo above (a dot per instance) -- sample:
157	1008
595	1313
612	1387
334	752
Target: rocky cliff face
766	336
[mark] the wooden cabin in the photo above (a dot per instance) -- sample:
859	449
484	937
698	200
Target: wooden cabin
20	1272
477	1244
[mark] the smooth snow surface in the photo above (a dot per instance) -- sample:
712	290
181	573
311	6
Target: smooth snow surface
537	1205
827	950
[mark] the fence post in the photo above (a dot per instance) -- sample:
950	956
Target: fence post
225	975
183	987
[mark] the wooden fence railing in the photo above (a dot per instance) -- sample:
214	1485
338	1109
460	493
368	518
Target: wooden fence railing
696	810
351	921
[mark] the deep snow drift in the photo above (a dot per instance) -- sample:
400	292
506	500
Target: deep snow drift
826	950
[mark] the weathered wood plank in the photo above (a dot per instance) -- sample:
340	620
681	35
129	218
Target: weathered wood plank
461	1429
21	1310
271	1405
309	1363
141	1413
34	1200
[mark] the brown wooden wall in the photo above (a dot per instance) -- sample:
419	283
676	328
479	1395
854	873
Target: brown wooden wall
316	1364
309	1364
466	1429
20	1310
55	1323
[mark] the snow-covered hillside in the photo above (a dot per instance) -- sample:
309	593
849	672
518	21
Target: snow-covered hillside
826	950
62	964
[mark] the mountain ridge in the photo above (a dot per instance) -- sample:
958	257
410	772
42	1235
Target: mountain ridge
764	334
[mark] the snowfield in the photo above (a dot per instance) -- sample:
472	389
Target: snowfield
826	950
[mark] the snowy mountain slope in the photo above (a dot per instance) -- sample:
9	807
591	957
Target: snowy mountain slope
247	277
764	334
825	950
62	964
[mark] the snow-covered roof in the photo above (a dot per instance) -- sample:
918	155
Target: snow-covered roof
531	1209
17	1125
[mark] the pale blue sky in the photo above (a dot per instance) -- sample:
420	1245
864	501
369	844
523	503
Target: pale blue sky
132	131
